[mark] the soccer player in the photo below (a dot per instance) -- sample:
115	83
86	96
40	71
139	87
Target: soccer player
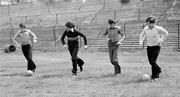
115	38
73	45
26	37
155	36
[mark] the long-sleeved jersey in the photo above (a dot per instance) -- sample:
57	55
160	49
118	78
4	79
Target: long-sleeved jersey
154	35
26	36
72	37
114	33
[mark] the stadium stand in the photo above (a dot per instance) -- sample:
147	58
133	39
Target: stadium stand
91	18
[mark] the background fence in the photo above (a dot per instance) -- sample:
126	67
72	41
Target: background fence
47	24
48	36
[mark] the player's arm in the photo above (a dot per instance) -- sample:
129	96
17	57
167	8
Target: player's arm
105	33
142	37
84	37
163	33
122	35
33	36
15	37
62	37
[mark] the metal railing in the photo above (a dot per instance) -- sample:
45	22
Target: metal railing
178	37
50	35
164	13
139	9
156	3
140	2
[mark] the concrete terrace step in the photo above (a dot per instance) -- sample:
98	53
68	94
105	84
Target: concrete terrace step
63	7
28	12
74	12
131	46
91	7
117	5
4	11
105	46
73	17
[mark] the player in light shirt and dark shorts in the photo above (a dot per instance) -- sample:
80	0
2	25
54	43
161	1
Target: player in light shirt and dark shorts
26	38
155	35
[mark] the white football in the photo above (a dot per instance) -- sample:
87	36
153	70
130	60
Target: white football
29	73
145	77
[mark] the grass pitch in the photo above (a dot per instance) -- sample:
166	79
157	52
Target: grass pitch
53	75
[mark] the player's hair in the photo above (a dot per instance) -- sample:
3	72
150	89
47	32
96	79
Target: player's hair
70	25
22	25
112	21
151	19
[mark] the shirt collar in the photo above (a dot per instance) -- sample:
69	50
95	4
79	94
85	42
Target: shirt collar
153	27
72	30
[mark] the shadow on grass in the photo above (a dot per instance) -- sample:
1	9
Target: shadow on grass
135	81
52	76
15	74
122	79
47	76
3	70
95	77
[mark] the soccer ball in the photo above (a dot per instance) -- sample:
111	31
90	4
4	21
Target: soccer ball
29	73
10	48
145	77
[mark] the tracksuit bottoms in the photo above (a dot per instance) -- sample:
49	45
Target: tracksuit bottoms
152	53
27	52
113	55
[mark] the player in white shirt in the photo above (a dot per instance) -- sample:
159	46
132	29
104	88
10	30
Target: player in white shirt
155	35
26	38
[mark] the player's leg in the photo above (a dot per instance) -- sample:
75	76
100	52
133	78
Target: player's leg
27	52
32	64
74	52
153	53
111	54
149	55
80	63
115	60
